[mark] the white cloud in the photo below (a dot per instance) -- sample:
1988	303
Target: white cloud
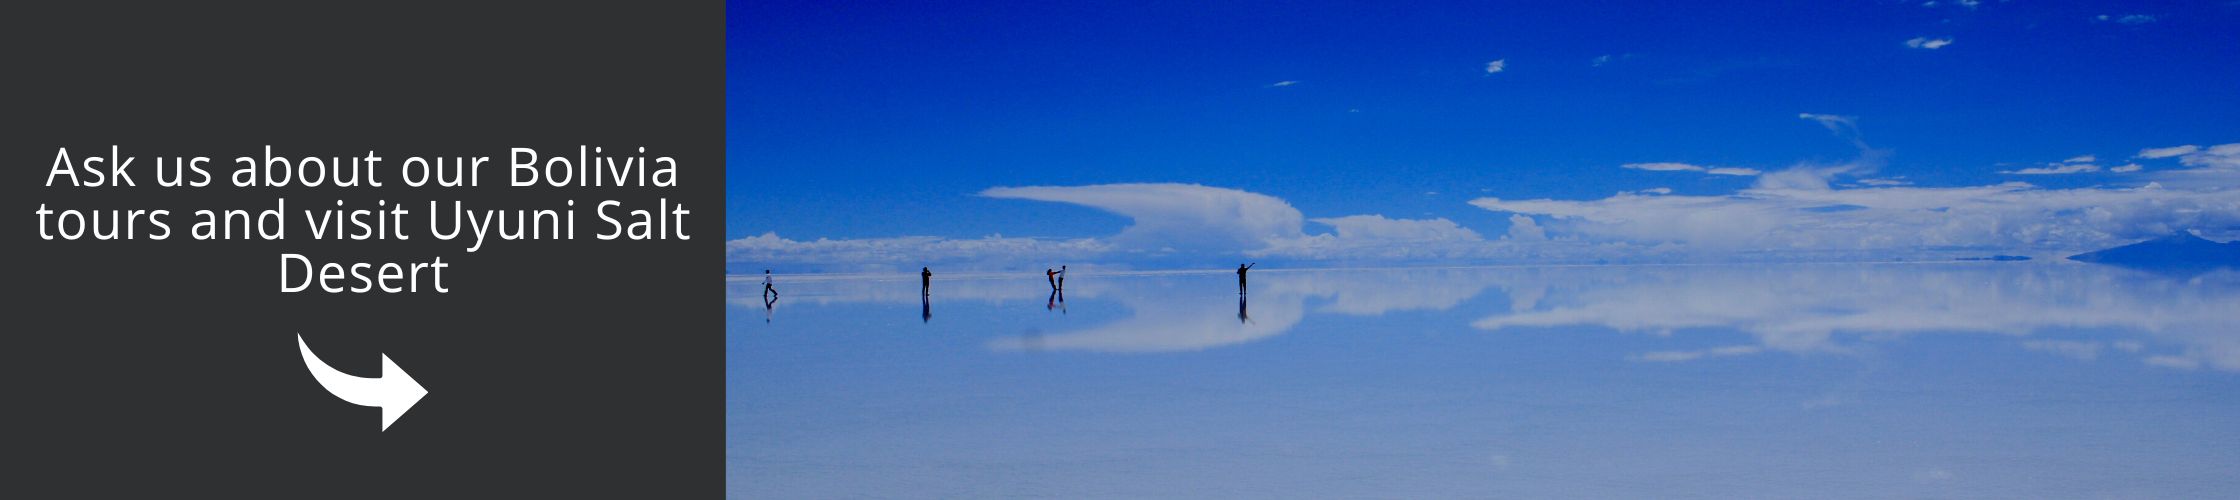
1285	83
1684	167
1716	352
1168	221
2075	349
1496	66
2013	216
2081	159
1928	43
1376	238
1834	123
1657	190
1377	227
1522	228
2215	167
2125	168
2055	169
1178	217
1812	176
2221	156
1629	217
1796	210
1663	167
1969	4
2130	19
2154	153
2178	362
1606	59
1844	127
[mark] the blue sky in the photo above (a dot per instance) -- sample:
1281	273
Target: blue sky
1145	130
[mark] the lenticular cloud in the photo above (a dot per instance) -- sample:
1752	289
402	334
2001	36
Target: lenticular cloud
1166	221
1182	217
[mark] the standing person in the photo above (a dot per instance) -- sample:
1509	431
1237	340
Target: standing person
925	282
1061	278
1052	276
1241	268
769	293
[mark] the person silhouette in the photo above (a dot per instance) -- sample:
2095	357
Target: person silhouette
1242	315
1052	276
925	281
1052	304
769	292
925	313
1061	278
769	307
1241	268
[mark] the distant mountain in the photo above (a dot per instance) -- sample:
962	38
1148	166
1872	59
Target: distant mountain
2180	251
1997	258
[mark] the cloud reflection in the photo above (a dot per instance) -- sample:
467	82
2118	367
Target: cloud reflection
1194	313
2081	312
2181	322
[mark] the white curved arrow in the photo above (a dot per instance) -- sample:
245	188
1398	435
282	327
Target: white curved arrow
394	391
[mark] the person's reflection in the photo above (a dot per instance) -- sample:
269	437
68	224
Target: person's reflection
925	311
1057	301
769	308
1243	316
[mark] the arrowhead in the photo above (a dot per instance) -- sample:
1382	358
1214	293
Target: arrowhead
401	392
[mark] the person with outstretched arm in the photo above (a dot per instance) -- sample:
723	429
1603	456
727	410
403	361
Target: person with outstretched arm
1240	275
1052	276
769	292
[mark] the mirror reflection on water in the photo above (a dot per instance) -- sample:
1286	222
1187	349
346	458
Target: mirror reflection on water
1957	379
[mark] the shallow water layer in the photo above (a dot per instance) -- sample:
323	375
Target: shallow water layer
1835	380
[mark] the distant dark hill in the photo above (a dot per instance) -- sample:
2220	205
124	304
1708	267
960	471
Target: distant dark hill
2177	251
1996	258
